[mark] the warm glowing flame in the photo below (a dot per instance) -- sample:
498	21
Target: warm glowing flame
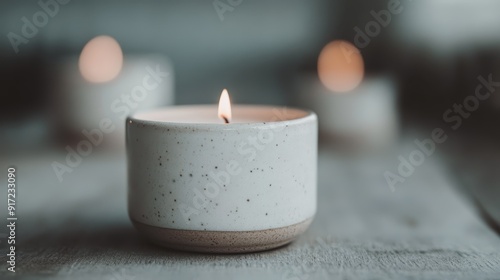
101	60
225	107
340	66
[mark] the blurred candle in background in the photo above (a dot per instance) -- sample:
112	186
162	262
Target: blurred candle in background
103	84
354	111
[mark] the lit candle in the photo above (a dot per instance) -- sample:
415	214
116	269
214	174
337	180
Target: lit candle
102	83
355	112
236	179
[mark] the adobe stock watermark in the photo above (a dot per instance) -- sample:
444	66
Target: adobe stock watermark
372	29
248	149
122	107
454	118
223	6
31	27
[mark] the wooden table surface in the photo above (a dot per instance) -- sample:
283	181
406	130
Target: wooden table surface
426	229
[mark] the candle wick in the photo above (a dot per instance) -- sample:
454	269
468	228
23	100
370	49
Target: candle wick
225	119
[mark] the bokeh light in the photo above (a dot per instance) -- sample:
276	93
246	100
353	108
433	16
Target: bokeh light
340	66
101	60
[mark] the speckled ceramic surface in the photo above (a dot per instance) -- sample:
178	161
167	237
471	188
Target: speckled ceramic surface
188	171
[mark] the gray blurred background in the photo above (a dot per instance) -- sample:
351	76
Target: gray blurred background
431	52
435	49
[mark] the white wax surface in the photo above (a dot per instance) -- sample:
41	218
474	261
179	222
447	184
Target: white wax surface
207	114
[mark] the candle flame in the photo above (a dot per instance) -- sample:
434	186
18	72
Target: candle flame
225	107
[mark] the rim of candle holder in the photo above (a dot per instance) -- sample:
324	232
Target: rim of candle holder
138	118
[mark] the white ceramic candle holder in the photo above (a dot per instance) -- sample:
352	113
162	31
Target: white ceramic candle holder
198	184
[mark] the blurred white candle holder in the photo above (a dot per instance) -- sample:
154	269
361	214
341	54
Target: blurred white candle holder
80	104
364	118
